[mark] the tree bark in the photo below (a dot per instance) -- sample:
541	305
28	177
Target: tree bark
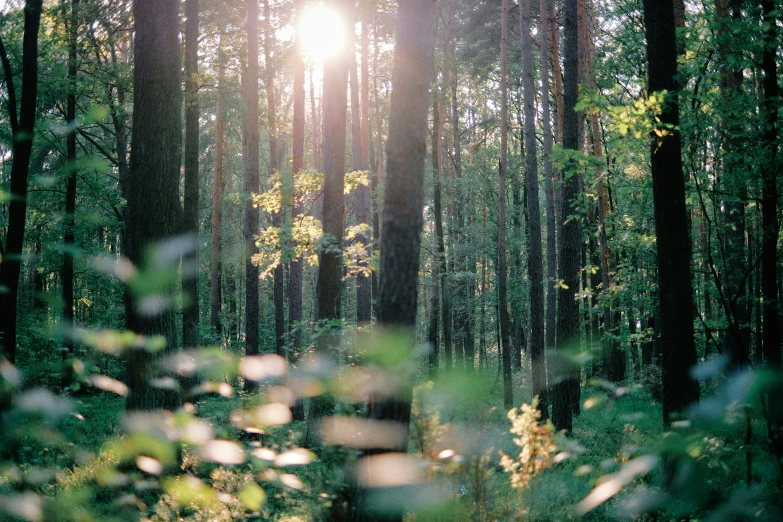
216	264
769	275
153	209
295	271
278	218
23	129
535	255
69	238
737	342
360	122
330	265
250	174
190	265
508	394
403	205
671	219
566	377
448	347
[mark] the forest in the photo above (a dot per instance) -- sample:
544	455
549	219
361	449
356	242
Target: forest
391	260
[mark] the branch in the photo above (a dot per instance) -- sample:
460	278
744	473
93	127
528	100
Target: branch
9	80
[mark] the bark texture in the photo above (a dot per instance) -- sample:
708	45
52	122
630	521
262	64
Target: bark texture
153	211
675	315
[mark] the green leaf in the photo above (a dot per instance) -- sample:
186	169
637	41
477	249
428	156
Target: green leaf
252	497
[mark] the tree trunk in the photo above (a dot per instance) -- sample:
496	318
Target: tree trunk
69	238
360	122
330	265
545	6
274	169
671	219
297	166
433	335
448	347
23	129
153	209
737	340
250	174
190	265
769	275
570	244
508	394
403	205
535	256
216	265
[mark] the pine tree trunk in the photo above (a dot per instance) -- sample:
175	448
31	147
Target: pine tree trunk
737	340
190	268
769	275
297	166
216	265
277	218
448	347
535	253
360	121
403	205
250	175
671	220
70	199
508	394
330	265
570	244
433	334
153	210
22	128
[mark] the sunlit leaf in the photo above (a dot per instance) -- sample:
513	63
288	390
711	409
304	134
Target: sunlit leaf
223	452
252	496
613	484
259	368
295	457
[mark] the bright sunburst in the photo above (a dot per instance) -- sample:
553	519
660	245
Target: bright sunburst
321	32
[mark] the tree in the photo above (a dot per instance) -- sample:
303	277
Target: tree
215	265
250	174
360	135
23	131
153	210
70	194
671	218
571	232
297	166
190	268
403	207
535	257
274	167
546	15
330	260
508	394
769	270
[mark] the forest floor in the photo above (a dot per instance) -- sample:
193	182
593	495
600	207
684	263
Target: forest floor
609	432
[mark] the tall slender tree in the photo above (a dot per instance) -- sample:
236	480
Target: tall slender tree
153	211
671	218
571	232
769	270
250	174
508	393
278	290
215	265
69	237
535	253
190	268
330	260
402	209
23	131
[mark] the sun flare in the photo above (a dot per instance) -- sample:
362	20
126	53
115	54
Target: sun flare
321	32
